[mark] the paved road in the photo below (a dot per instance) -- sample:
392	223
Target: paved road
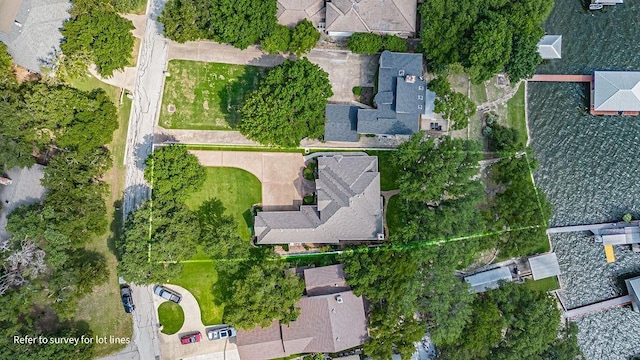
147	99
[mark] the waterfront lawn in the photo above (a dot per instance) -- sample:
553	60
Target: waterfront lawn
105	298
516	114
199	278
206	96
478	93
171	316
548	284
237	189
388	170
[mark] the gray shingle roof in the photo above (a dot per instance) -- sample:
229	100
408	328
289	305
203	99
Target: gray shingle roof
488	280
544	266
616	91
39	37
341	123
349	206
550	47
402	97
633	287
329	322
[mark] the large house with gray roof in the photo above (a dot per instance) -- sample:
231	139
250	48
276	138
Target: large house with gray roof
402	100
349	207
332	319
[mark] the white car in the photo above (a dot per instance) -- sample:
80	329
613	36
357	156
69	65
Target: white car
221	333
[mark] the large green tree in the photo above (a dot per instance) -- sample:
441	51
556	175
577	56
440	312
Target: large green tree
278	41
219	232
365	43
261	293
104	35
456	107
174	173
288	105
490	48
304	37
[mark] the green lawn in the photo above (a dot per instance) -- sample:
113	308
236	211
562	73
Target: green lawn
237	189
199	278
207	96
393	214
171	316
547	284
516	115
388	171
478	93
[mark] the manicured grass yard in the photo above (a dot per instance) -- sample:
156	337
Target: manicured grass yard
547	284
237	189
207	96
393	214
171	316
388	171
199	278
516	115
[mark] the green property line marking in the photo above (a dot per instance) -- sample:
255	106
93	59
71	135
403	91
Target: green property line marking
394	247
535	188
150	212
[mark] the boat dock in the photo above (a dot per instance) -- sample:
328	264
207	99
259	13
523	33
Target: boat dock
598	307
591	227
561	78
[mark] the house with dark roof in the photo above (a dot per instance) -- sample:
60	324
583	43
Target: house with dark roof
395	17
31	30
349	206
402	100
332	319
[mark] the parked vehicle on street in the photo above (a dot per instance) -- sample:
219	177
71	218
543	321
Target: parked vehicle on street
167	294
127	299
191	338
221	333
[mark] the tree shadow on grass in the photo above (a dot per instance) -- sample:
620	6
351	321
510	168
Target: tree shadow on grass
232	96
116	228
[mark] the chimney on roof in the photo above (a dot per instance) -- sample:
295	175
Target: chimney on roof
410	79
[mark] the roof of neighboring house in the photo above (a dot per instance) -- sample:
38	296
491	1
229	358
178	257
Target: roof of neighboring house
379	16
341	123
291	12
349	206
550	47
616	91
488	280
36	41
621	236
8	11
325	280
330	322
544	266
401	99
633	287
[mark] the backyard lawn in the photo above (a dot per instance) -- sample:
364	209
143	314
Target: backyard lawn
171	316
199	278
393	214
547	284
237	189
516	115
388	171
206	96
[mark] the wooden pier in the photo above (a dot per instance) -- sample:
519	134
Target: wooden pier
561	78
598	307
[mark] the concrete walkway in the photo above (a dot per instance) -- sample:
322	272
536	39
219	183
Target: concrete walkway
280	174
345	69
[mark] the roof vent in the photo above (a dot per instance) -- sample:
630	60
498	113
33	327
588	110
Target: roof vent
419	106
420	97
339	299
380	236
410	79
401	72
420	87
338	338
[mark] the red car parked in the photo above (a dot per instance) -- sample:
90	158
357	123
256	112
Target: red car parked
191	338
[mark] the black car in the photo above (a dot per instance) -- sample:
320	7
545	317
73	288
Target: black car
127	300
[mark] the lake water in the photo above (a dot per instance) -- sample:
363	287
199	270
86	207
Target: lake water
590	166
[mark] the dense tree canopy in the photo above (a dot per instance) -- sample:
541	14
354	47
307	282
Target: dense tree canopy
238	22
174	173
504	139
103	35
278	41
370	43
486	37
288	105
304	37
261	293
219	232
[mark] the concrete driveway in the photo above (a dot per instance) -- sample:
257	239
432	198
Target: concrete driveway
205	349
345	69
279	173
